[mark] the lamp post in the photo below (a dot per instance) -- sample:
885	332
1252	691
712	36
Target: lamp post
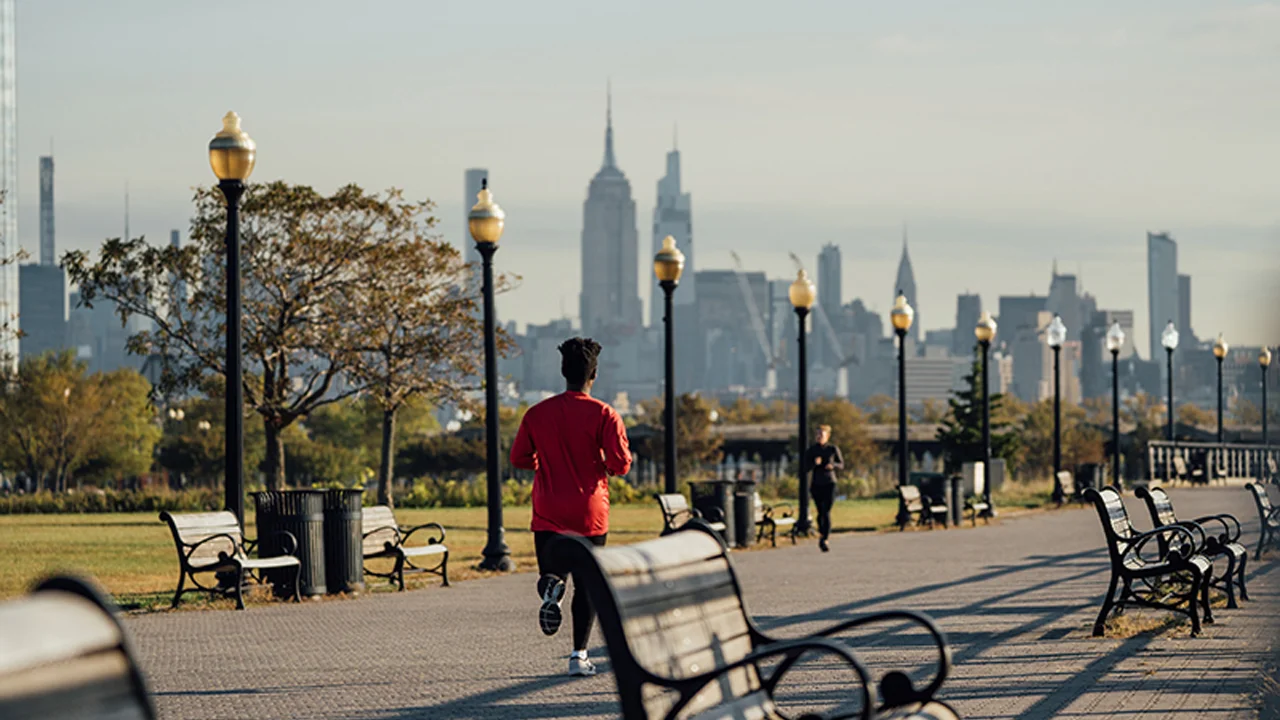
485	221
802	294
1264	360
1055	335
1169	339
901	316
985	331
668	264
1220	348
1115	340
232	155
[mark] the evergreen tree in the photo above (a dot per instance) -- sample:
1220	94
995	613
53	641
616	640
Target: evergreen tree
961	431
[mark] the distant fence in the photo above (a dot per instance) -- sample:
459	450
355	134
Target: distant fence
1214	459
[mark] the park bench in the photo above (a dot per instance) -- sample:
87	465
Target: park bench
1176	574
1272	473
385	538
1064	487
682	645
211	542
676	512
924	508
771	517
1268	519
1192	476
1218	468
64	654
1226	544
977	506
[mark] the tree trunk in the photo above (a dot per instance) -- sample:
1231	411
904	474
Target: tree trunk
274	461
386	470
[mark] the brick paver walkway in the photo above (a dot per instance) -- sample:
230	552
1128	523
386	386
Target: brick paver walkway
1017	600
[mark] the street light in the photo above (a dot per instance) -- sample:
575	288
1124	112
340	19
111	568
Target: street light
668	264
486	221
1115	340
232	155
803	294
985	331
176	414
1169	339
1055	335
901	316
1264	360
1220	349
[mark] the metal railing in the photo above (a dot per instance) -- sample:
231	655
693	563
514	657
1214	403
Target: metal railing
1216	461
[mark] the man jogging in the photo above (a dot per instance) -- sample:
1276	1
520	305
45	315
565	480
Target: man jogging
824	460
573	443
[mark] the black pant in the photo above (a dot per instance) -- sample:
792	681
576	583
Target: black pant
824	494
551	561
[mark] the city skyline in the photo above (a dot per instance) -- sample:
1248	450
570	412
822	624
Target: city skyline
1080	177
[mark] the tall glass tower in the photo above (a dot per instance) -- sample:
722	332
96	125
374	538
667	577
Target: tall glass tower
9	243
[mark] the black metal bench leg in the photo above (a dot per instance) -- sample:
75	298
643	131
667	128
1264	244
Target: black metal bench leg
1230	578
1205	585
1099	625
444	569
297	584
1244	592
398	572
177	595
1262	540
240	575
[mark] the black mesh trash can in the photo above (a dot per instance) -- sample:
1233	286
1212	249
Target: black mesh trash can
300	513
343	539
744	512
714	500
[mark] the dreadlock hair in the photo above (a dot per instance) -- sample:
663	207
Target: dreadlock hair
578	357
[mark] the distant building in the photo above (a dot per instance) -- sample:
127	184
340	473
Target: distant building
1019	330
933	378
1162	288
672	215
830	304
968	310
937	343
540	360
1068	367
1064	301
732	352
1095	359
609	304
1188	334
48	255
906	284
42	309
9	242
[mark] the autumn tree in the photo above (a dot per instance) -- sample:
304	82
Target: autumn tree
1082	440
744	411
961	431
697	443
306	257
882	409
849	431
931	411
1197	417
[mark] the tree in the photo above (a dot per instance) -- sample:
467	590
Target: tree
1146	414
849	431
744	411
697	445
882	409
419	336
306	257
57	418
193	446
961	431
932	410
1082	441
1195	416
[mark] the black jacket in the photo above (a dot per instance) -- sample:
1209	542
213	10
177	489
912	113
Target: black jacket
831	462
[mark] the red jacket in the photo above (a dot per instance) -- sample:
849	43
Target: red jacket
573	443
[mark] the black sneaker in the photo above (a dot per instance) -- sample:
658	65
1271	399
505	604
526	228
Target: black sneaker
551	590
822	545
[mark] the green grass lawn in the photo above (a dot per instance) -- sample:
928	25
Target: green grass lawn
133	557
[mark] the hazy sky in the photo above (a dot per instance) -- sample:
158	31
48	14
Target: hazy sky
1005	134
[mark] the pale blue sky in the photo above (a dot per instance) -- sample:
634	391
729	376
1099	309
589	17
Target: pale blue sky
1005	133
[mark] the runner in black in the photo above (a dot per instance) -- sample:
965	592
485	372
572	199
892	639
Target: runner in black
824	460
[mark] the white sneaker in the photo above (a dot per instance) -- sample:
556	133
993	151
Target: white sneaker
551	589
581	667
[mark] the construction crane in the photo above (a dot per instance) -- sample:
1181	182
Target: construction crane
757	324
843	362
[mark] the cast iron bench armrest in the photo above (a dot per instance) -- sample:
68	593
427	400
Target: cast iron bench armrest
690	687
405	532
944	651
291	548
1198	531
1231	532
770	509
1137	542
191	547
715	516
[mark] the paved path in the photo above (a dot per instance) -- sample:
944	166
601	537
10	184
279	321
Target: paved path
1017	600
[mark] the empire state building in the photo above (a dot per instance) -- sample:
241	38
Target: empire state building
609	306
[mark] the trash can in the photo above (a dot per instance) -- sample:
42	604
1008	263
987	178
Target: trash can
1088	475
955	499
301	513
714	500
343	541
744	511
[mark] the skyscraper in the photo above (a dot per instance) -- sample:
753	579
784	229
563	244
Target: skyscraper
1184	311
673	215
1064	301
1162	288
1020	334
47	256
829	294
906	285
9	243
609	305
968	310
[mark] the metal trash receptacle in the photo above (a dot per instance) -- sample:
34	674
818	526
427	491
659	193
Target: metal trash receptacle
744	512
713	499
300	513
343	541
1088	475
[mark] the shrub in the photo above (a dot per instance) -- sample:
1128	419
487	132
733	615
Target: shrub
112	501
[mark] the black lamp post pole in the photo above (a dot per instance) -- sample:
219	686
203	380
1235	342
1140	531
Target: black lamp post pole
1169	369
234	445
802	524
1057	411
1115	417
1219	401
1265	443
903	463
496	554
986	428
669	411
